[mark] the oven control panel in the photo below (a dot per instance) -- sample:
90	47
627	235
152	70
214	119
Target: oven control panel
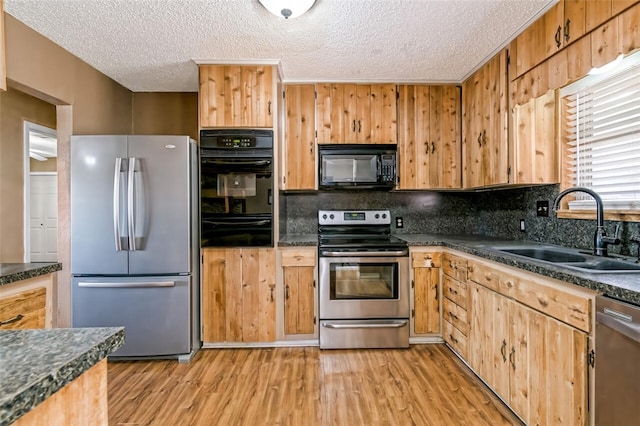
354	217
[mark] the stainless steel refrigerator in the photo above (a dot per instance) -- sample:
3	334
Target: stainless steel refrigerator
135	241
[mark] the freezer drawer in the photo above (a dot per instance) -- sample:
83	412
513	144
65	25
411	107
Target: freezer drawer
155	311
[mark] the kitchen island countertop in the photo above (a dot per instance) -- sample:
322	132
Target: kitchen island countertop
35	364
12	272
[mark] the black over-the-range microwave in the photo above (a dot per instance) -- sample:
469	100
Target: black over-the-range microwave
352	166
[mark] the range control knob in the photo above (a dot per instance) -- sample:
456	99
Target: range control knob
377	216
331	216
384	215
324	216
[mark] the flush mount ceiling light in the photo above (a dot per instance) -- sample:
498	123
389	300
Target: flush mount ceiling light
287	8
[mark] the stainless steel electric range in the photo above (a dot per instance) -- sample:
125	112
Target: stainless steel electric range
364	281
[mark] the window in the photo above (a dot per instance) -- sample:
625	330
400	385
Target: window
601	116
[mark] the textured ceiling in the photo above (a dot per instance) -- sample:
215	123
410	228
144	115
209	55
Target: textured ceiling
154	45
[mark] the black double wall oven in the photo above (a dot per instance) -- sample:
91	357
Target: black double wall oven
236	187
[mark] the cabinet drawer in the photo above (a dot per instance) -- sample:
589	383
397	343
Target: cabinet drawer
425	259
492	278
456	315
455	338
455	291
454	266
24	310
298	257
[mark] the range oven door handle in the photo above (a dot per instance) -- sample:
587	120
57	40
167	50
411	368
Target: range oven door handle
377	324
238	162
328	253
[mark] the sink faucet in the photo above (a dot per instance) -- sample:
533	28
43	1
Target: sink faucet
600	239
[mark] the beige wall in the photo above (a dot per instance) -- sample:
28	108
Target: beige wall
51	165
87	102
165	114
15	107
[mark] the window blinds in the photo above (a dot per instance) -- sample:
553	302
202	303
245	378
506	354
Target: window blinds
602	132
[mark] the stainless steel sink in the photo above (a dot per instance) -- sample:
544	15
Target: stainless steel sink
570	258
549	255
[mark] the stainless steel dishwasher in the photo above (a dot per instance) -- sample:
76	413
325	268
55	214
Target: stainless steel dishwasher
617	375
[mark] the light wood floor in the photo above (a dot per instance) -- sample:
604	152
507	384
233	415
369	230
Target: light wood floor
423	385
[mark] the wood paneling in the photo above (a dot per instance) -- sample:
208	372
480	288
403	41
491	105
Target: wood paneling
425	385
596	13
81	402
299	137
604	43
629	30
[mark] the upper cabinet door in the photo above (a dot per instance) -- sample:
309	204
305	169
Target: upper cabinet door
356	113
299	153
429	146
236	96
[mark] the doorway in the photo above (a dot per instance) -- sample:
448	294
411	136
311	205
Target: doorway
40	194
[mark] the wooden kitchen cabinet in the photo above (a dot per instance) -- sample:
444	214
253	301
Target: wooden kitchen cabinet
535	145
236	96
485	146
238	295
429	139
455	304
425	286
534	362
356	113
299	153
528	341
27	304
299	280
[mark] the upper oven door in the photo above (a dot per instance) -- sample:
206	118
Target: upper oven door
364	287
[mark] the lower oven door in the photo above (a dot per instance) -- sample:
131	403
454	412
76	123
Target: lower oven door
364	287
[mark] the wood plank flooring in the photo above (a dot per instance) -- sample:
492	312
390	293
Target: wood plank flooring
423	385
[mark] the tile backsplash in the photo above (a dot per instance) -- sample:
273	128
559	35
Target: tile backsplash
493	213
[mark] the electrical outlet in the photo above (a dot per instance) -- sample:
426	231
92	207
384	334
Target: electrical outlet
399	222
522	227
542	208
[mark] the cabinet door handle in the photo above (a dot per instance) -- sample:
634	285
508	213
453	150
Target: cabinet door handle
359	126
12	320
567	30
269	107
557	36
512	356
286	292
353	126
271	294
503	350
480	139
433	147
484	137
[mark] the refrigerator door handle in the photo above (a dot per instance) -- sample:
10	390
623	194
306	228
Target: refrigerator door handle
116	204
130	206
147	284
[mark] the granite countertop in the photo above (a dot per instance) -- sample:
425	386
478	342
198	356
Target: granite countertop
623	286
12	272
34	364
298	240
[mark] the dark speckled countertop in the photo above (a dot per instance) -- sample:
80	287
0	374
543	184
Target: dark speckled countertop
34	364
623	286
12	272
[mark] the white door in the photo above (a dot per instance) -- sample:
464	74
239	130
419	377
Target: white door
44	218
